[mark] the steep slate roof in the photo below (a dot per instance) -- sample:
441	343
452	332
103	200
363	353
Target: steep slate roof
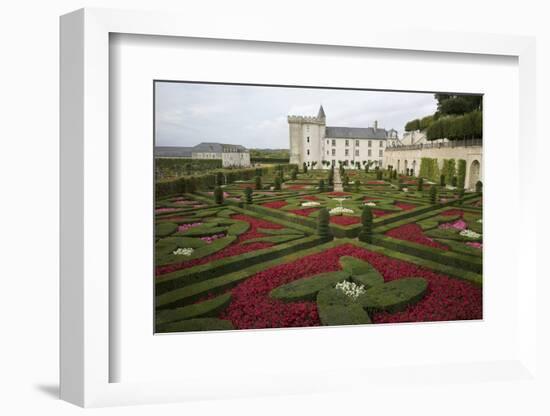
172	151
218	147
321	113
355	133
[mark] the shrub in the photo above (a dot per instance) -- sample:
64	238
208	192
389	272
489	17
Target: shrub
331	177
218	195
479	187
421	184
460	195
378	174
307	288
277	183
219	179
461	173
323	228
191	185
248	195
294	174
433	195
207	308
322	185
258	182
304	166
365	234
442	180
454	181
345	180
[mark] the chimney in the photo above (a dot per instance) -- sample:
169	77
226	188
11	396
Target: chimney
375	124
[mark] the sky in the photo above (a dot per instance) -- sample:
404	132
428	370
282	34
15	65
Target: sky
256	116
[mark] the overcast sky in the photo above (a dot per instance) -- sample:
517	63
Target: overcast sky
255	117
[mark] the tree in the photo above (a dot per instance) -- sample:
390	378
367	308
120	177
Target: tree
323	228
461	173
304	167
248	195
365	234
345	181
191	185
258	182
219	178
294	174
442	180
412	125
421	184
433	195
331	177
277	183
322	185
218	195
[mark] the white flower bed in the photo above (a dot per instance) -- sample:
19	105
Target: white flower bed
350	289
405	189
310	204
340	211
370	204
183	252
450	188
470	234
340	199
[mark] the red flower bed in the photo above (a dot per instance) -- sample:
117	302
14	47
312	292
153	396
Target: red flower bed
295	187
344	220
251	306
376	183
338	194
453	212
275	204
370	198
305	212
404	206
380	213
413	233
310	198
233	249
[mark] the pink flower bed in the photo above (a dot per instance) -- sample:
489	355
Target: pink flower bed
474	244
210	238
251	306
344	220
185	227
404	206
275	204
305	212
451	212
457	225
310	198
233	249
413	233
163	210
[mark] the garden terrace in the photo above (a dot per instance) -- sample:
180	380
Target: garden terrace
259	261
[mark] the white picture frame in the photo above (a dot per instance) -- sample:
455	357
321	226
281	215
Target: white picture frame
85	212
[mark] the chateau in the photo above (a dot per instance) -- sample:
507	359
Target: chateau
317	145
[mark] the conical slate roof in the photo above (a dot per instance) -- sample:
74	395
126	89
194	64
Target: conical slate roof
321	113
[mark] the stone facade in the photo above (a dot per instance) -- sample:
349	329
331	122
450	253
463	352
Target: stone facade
409	157
320	146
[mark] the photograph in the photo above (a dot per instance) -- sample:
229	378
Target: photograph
282	206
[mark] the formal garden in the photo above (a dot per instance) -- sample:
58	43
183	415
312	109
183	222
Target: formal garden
287	246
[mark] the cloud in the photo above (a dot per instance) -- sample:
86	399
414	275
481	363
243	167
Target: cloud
187	114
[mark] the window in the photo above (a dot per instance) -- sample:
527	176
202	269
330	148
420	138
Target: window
347	152
327	141
347	142
381	143
333	142
333	152
356	142
356	152
308	152
308	139
380	163
370	143
370	153
327	152
380	153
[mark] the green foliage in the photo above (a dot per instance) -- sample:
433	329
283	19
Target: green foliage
420	185
452	104
304	167
167	168
442	180
219	179
357	185
345	180
323	228
412	125
279	231
479	187
164	229
454	181
248	195
365	234
449	169
467	126
331	177
269	155
199	324
294	174
361	271
277	183
461	173
258	182
379	174
433	195
218	195
210	307
335	308
322	185
429	168
307	287
395	295
275	239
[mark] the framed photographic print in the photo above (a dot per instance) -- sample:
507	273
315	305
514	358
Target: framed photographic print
279	214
